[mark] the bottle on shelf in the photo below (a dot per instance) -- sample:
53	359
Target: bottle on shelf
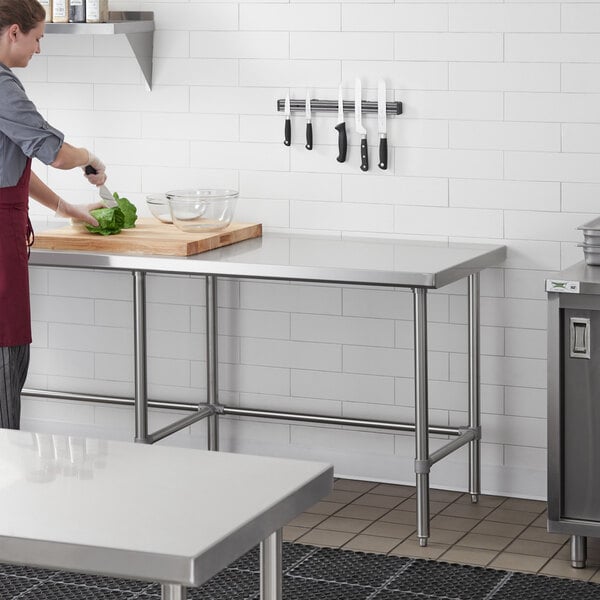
47	4
77	11
60	11
96	11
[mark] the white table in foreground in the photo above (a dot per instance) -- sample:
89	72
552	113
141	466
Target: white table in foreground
170	515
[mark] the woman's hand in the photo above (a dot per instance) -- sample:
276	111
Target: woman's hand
78	212
97	176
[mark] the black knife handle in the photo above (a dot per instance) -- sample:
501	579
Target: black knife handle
383	155
309	136
89	170
364	155
288	132
342	141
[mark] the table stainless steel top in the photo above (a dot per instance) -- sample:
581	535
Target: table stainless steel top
370	261
143	511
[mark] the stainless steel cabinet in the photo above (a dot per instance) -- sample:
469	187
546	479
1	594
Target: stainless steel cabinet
574	406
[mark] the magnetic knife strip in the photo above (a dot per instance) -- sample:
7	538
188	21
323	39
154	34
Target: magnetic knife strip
391	108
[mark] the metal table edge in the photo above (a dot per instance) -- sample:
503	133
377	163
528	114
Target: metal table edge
334	275
189	571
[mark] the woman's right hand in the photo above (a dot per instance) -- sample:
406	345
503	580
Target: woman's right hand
98	177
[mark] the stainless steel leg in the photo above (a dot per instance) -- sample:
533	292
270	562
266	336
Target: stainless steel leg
212	360
139	354
578	551
270	567
421	413
173	592
474	387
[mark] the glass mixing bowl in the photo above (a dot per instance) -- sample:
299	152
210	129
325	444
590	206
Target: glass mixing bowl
198	211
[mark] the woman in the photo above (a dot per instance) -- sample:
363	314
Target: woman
24	135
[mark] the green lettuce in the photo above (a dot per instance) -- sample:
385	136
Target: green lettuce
128	209
110	221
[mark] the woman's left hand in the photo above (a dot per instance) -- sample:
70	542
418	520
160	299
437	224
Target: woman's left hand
78	212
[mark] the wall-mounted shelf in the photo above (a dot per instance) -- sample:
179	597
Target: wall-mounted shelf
137	26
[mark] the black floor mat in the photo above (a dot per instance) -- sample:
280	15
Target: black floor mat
312	573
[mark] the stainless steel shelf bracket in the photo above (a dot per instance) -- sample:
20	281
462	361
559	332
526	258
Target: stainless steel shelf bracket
137	26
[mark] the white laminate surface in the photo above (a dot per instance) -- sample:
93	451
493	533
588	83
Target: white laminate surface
181	514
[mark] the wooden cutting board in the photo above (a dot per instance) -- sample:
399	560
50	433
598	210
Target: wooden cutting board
147	237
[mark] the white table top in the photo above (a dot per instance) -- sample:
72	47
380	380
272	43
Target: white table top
353	260
150	512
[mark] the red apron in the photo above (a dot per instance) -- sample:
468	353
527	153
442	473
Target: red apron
15	232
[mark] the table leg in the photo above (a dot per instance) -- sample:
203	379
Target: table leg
139	354
212	360
474	387
578	551
421	414
173	592
270	567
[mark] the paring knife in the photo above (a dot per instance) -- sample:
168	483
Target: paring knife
364	151
382	124
107	197
341	128
309	137
288	123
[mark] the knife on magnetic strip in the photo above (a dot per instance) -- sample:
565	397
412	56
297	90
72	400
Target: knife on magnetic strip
309	131
341	128
364	149
382	125
287	140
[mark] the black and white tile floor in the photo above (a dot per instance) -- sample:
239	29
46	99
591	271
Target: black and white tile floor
313	573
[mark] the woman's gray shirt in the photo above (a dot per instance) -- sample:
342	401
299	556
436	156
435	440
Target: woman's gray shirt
23	131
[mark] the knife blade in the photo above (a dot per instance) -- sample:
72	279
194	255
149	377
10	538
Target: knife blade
107	197
288	123
382	124
341	128
364	151
309	131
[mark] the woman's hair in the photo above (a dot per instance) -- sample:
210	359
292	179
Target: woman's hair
27	14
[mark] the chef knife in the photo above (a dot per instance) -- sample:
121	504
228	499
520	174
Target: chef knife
382	125
288	123
364	152
107	197
309	132
341	128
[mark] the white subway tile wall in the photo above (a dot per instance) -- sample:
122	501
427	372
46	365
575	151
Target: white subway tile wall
499	142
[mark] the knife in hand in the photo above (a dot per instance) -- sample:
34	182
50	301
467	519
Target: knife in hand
309	132
364	151
288	123
107	197
382	125
341	128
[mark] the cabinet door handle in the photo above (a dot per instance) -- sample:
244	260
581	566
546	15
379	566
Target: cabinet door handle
579	344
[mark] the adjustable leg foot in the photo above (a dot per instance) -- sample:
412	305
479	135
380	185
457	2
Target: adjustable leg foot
578	551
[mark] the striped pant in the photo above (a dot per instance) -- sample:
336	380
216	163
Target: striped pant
14	362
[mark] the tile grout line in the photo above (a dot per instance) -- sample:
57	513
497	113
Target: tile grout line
452	546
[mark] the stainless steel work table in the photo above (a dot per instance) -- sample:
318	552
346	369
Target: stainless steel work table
118	509
419	266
